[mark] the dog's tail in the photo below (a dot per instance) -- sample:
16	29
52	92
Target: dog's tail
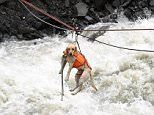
92	81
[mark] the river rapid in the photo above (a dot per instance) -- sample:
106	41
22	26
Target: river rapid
30	83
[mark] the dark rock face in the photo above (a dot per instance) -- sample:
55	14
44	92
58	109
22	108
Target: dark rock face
2	1
82	9
151	4
100	4
17	23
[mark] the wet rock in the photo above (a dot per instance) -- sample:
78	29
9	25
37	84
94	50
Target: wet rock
2	1
93	15
6	36
82	9
110	18
151	5
121	3
13	38
116	3
143	4
136	10
16	21
20	36
129	13
1	37
89	18
94	34
125	3
100	4
67	3
87	1
109	7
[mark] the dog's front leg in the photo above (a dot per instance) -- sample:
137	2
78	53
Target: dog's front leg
77	83
74	88
68	72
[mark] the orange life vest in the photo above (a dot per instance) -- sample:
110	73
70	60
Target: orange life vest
80	59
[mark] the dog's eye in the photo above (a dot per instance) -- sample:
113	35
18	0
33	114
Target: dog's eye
68	48
73	49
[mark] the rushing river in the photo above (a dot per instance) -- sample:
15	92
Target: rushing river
30	83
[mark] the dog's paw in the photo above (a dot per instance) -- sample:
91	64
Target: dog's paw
59	72
71	90
73	93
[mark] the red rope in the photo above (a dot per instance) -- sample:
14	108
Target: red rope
47	14
70	27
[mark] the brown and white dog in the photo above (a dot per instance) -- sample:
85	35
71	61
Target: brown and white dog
77	60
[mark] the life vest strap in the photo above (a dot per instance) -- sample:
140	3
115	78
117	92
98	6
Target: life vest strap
79	72
80	59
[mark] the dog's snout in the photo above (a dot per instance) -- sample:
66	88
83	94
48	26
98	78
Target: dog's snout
71	54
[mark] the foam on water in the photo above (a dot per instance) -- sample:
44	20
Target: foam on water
30	83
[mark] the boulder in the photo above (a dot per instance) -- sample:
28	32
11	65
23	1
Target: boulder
125	3
67	3
116	3
82	9
100	4
2	1
151	5
151	2
121	3
18	23
109	7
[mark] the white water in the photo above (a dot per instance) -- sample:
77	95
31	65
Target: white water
30	83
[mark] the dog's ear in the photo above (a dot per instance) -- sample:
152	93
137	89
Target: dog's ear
66	51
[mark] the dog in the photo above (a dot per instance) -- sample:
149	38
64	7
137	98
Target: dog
77	60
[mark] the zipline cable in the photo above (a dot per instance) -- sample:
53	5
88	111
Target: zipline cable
79	30
76	39
68	26
41	19
115	46
116	30
46	14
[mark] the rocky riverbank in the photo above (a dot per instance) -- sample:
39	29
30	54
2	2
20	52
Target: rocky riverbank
17	23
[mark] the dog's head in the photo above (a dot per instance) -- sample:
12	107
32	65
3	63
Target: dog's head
71	48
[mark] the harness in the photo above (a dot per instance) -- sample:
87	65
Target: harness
80	59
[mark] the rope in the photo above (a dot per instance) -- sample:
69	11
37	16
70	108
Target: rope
118	46
79	30
46	14
116	30
76	39
68	26
41	19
